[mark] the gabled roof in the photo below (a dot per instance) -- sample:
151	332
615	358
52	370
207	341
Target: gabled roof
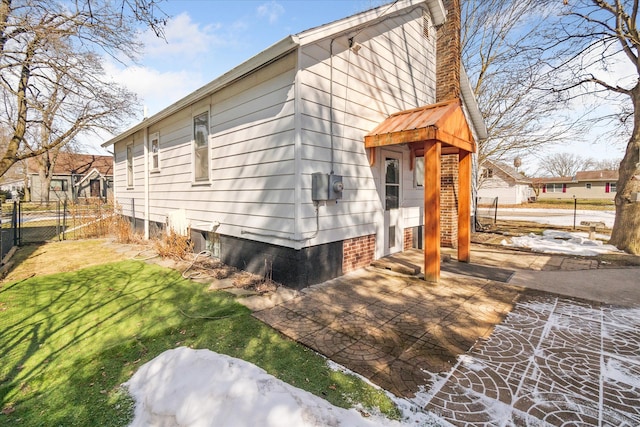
94	172
601	175
72	163
444	122
553	180
508	170
288	44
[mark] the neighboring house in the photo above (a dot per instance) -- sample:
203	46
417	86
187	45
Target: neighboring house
499	180
12	182
310	159
584	185
75	177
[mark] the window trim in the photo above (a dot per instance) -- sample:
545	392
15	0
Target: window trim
588	186
417	175
129	165
154	156
555	187
206	180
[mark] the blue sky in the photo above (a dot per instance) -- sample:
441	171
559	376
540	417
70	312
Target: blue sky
206	38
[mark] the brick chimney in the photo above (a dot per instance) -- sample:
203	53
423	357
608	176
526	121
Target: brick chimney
448	54
448	57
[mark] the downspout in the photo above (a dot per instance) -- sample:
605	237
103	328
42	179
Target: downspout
146	182
297	153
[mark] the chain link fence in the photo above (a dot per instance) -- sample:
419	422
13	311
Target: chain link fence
26	223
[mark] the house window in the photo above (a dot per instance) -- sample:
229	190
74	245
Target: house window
130	165
154	152
610	187
418	172
59	185
588	186
201	146
556	188
487	173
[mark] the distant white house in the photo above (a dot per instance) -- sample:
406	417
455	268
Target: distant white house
267	165
496	179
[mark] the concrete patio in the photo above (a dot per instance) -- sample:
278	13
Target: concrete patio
478	351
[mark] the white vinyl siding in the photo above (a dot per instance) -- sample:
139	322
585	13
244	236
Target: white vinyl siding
130	197
251	159
270	130
394	70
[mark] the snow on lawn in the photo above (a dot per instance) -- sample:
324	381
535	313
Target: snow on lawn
561	242
185	387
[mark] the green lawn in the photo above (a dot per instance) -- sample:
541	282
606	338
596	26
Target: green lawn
69	340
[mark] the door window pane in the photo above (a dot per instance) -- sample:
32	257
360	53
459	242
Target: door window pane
392	183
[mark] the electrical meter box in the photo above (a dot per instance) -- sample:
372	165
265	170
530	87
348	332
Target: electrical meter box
335	187
326	187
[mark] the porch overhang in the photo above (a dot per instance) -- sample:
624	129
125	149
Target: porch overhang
431	131
443	122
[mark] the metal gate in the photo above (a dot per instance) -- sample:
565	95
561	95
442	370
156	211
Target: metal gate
38	223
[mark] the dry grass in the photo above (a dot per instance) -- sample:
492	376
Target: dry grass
65	256
173	245
254	282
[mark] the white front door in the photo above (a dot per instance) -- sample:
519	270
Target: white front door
392	197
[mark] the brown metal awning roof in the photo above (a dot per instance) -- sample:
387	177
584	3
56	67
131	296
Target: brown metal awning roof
443	122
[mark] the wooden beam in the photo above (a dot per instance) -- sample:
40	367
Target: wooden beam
464	206
432	152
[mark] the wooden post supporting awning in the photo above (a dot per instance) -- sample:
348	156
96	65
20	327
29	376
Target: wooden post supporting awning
431	131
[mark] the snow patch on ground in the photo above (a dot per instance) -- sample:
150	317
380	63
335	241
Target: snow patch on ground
561	242
185	387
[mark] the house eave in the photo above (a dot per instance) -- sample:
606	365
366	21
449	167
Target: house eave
358	21
272	53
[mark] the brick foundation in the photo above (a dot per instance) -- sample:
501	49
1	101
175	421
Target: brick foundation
449	201
358	252
408	238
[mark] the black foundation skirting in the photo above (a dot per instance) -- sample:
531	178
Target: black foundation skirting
293	268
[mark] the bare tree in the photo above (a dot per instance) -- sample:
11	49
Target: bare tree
501	53
564	164
586	42
606	164
52	85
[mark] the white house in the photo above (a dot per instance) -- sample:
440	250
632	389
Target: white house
268	167
496	179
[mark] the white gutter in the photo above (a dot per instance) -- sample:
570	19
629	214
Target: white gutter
263	58
471	103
